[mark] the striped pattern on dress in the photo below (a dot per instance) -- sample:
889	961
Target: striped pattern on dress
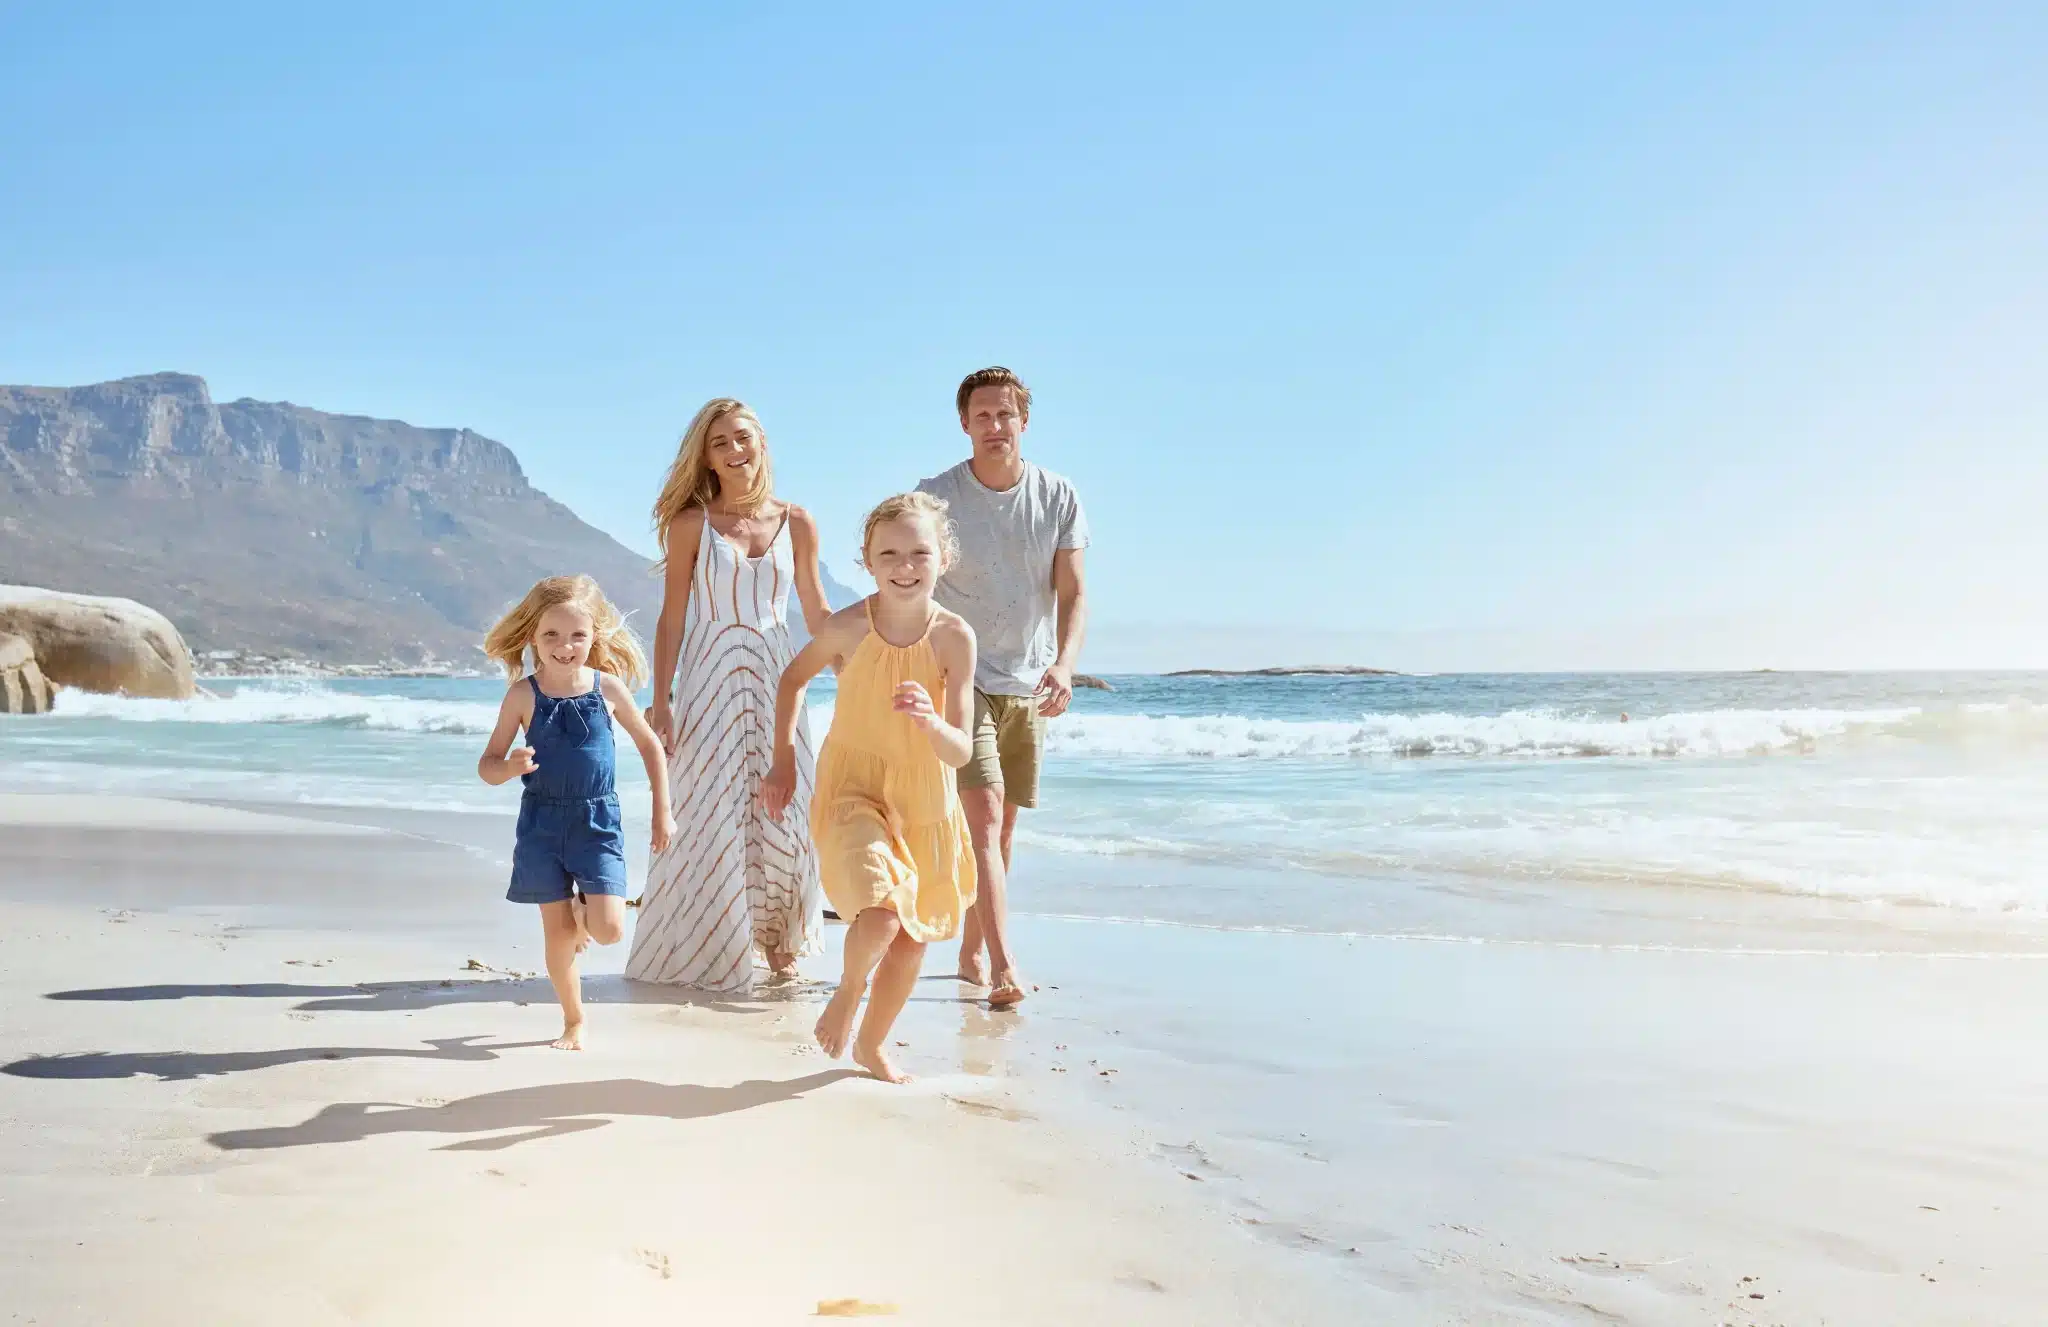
733	880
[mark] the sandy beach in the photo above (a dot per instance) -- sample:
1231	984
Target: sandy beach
208	1121
251	1077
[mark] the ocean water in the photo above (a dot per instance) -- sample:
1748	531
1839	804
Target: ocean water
1298	803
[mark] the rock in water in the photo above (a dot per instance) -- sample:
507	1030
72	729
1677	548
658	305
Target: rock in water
95	644
23	688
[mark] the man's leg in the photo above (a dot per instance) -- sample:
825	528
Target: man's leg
981	798
987	921
1020	737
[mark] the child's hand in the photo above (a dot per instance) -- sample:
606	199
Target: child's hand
520	761
780	785
915	703
664	829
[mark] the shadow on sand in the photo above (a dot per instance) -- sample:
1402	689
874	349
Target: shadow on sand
173	1066
550	1110
374	997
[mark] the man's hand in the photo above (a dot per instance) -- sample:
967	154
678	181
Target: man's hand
1055	691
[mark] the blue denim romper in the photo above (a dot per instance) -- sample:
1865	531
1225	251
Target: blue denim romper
569	834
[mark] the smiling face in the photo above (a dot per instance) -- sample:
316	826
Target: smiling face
994	419
904	556
734	453
562	638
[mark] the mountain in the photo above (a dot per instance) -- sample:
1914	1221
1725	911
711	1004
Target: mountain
268	526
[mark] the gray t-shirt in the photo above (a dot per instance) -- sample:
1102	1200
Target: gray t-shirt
1002	583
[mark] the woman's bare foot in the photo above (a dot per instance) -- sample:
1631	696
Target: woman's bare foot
1008	991
835	1025
973	971
782	966
876	1062
571	1038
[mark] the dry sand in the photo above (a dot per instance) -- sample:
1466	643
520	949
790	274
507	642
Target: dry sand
211	1124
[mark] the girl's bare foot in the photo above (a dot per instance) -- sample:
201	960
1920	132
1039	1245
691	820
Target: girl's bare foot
1008	991
571	1038
835	1025
876	1062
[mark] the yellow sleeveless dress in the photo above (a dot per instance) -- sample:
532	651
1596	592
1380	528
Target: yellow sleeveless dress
885	816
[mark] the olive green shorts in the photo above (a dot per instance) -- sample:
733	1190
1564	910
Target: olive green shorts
1008	733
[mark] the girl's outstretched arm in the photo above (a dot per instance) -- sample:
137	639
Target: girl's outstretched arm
501	762
841	633
651	755
953	643
810	586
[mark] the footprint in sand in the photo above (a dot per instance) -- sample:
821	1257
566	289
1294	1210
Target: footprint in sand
991	1110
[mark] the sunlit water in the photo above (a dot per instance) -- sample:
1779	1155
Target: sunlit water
1890	789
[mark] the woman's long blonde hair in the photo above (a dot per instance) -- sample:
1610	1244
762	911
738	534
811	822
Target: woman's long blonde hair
690	481
613	647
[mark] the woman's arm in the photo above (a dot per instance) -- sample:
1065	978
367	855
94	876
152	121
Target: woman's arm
684	534
500	762
651	755
953	643
810	586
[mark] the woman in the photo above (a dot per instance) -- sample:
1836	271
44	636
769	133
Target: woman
733	879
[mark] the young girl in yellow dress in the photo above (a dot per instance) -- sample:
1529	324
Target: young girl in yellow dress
893	852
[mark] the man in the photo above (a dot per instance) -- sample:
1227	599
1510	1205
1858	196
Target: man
1018	584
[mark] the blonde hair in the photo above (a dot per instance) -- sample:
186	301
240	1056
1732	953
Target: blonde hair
917	505
613	647
691	482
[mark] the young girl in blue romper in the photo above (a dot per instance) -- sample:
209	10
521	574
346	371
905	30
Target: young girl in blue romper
570	856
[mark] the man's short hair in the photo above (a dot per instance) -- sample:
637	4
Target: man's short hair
996	376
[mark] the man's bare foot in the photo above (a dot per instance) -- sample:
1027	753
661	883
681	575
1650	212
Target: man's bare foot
835	1025
876	1062
571	1038
973	971
1008	991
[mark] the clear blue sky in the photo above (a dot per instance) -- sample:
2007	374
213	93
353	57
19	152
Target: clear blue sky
1498	336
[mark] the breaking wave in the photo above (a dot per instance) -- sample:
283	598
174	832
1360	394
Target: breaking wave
1516	734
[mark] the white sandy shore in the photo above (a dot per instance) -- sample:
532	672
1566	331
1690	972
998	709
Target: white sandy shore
216	1126
276	1102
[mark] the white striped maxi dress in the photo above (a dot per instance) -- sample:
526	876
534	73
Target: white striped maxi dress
733	880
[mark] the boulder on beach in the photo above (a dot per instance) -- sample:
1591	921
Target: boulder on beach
23	688
94	644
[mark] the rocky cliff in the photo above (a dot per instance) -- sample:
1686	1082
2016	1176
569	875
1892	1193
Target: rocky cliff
265	525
